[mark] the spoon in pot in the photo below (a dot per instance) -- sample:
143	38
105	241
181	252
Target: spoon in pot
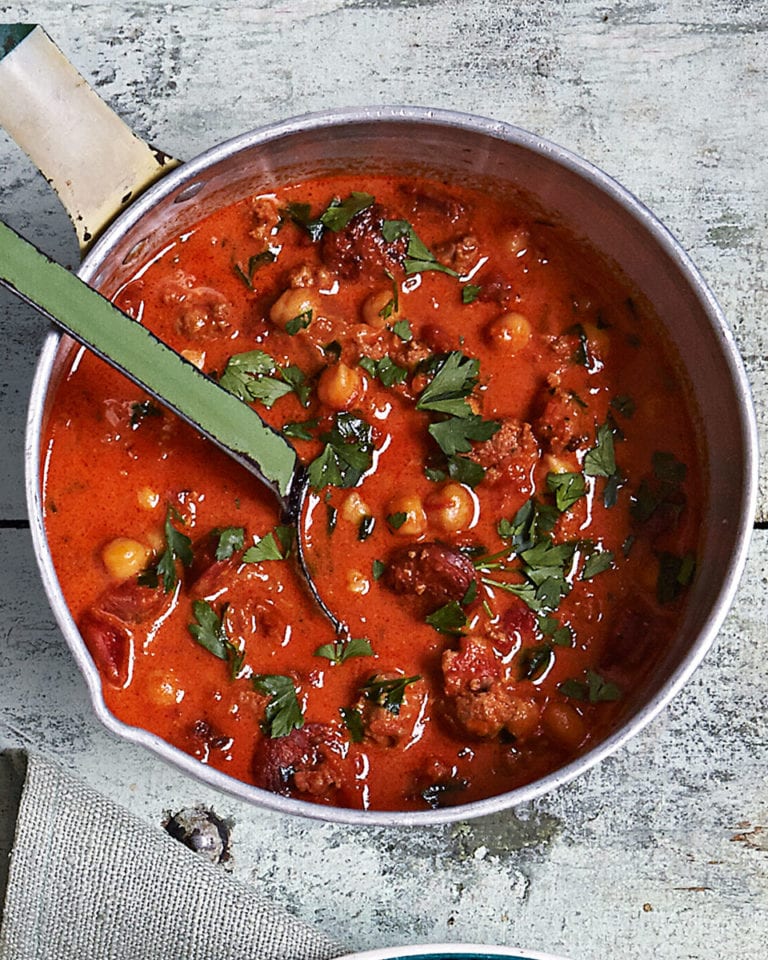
128	346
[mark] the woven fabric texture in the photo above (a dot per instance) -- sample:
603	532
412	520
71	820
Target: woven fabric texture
88	880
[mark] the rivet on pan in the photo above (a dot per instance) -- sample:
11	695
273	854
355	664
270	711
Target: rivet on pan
189	192
136	250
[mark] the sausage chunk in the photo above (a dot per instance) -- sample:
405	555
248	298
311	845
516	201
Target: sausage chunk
479	699
391	724
307	761
360	247
510	455
433	571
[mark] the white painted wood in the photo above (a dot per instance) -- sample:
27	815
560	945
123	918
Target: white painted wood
660	851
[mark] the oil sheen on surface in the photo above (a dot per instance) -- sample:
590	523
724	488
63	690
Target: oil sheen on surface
506	507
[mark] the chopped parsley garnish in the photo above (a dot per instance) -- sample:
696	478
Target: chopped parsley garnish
283	713
258	260
560	634
396	520
567	488
365	528
535	661
140	411
385	369
402	329
335	217
209	631
675	574
434	793
664	489
418	257
300	430
592	690
347	455
178	546
456	434
254	376
276	545
339	213
344	650
231	539
454	379
353	721
388	693
544	564
600	461
300	322
597	562
448	619
470	292
668	468
378	567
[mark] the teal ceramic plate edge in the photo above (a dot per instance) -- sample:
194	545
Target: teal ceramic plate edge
451	951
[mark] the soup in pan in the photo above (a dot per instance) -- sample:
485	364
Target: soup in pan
505	507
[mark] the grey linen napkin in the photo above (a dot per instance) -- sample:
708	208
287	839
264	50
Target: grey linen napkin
88	881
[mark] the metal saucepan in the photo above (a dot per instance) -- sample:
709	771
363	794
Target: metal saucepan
117	167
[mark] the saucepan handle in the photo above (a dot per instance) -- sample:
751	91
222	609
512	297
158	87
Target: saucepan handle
92	159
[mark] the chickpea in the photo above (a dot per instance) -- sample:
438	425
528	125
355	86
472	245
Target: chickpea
196	357
517	241
163	688
293	303
562	723
452	508
525	722
558	464
357	582
147	498
415	522
354	509
375	306
511	330
339	386
124	557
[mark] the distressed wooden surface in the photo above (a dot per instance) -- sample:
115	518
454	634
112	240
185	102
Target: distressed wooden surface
658	852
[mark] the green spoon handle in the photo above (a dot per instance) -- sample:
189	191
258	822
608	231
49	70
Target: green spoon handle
126	344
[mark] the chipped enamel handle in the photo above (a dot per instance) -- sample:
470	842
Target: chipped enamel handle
92	159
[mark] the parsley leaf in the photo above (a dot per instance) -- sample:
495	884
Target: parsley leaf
470	292
454	379
455	434
597	562
448	619
344	650
567	488
528	525
387	693
276	545
402	329
396	520
600	461
347	455
231	539
283	713
178	546
378	568
675	574
593	690
535	661
385	369
254	376
353	721
254	262
300	322
338	214
300	430
209	630
559	634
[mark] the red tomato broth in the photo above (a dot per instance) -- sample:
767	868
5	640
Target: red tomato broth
583	325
